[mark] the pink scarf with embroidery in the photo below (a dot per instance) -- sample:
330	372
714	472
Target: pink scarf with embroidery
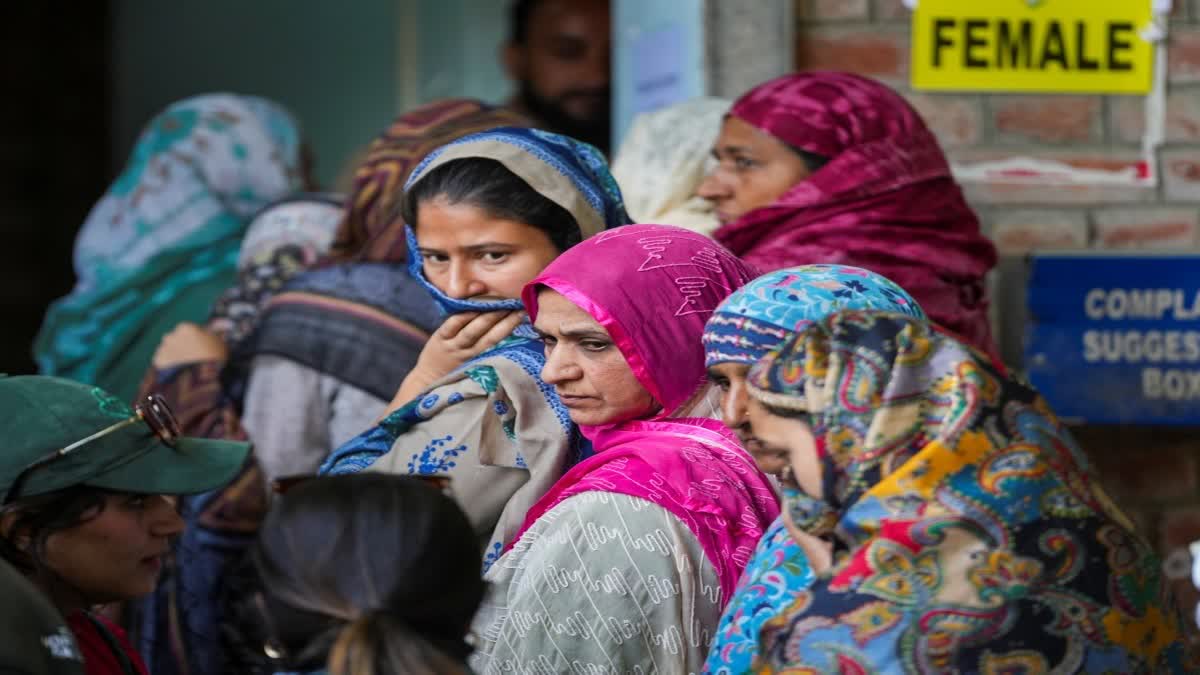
653	288
886	201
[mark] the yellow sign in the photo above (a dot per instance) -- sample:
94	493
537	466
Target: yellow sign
1077	46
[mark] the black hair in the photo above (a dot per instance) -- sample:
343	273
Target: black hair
812	161
518	20
489	185
40	516
370	573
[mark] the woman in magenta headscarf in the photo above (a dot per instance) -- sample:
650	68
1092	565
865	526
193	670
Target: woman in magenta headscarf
837	168
625	564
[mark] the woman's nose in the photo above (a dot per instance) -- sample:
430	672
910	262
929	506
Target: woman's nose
559	369
713	187
462	284
733	407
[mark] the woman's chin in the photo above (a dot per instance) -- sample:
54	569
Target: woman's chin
588	417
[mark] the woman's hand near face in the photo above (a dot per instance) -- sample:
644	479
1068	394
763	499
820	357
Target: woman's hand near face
459	339
189	343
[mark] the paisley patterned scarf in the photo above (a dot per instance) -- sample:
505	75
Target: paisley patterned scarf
970	534
750	323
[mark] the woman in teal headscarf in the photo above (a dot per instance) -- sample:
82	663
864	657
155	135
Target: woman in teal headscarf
163	242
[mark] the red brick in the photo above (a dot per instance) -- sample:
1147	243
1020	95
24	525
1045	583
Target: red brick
1181	173
1184	54
890	10
1047	119
1143	228
1145	467
1127	116
956	120
1180	11
832	10
1021	231
877	52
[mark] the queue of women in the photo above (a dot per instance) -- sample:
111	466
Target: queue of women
500	426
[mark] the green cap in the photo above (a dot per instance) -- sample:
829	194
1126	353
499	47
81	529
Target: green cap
34	639
39	415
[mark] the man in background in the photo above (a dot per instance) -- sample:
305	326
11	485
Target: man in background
558	54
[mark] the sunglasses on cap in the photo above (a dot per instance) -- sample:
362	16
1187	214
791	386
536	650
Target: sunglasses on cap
153	411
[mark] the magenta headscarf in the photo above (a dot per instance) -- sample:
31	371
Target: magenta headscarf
886	201
653	287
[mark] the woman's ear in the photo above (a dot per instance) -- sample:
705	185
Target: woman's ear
8	522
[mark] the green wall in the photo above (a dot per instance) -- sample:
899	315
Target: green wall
457	49
334	65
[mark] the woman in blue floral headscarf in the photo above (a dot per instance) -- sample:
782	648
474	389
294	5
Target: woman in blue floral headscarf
492	424
163	242
969	533
746	326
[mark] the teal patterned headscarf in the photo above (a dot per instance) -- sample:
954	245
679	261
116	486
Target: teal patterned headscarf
163	242
759	316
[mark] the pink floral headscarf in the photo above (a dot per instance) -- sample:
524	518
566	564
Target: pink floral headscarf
653	288
886	201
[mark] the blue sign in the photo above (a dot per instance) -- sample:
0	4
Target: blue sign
1115	339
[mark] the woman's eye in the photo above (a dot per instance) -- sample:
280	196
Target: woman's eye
594	346
743	163
495	256
547	341
434	258
721	384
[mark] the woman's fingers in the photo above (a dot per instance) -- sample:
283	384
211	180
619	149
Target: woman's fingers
483	325
454	324
501	330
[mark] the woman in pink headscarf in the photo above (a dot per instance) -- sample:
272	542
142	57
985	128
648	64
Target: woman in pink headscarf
836	168
625	565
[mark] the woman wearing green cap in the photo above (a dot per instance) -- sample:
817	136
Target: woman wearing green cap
88	492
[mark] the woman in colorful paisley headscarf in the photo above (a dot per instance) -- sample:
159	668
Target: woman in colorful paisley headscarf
836	168
163	242
969	533
487	213
625	565
754	320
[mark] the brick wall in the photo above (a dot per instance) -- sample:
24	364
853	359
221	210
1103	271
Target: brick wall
1154	473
